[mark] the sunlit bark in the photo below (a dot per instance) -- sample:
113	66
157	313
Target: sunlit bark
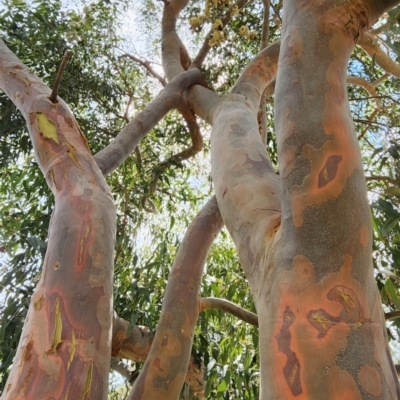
64	353
165	369
322	332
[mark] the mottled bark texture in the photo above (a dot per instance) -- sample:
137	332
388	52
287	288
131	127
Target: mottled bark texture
64	353
322	332
165	369
246	184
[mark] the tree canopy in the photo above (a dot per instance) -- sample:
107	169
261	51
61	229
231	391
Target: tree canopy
112	75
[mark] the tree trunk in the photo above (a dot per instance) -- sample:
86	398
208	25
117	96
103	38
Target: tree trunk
322	332
65	346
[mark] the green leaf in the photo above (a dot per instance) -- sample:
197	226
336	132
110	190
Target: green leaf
392	293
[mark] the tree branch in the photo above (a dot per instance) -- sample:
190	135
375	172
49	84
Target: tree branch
207	303
205	48
122	146
196	147
179	312
262	112
64	62
381	178
258	74
147	66
392	315
369	43
369	87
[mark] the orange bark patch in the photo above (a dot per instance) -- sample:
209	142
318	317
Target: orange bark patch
292	47
157	364
328	173
325	312
364	236
370	380
346	390
352	313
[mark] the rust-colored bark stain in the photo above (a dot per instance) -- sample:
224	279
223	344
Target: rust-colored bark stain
328	173
352	309
351	314
157	364
291	370
322	321
370	380
292	47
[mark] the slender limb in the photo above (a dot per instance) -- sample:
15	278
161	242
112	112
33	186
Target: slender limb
195	148
122	146
369	87
160	378
211	303
205	48
380	79
265	27
259	73
131	344
370	44
382	178
147	66
392	315
200	99
262	113
64	62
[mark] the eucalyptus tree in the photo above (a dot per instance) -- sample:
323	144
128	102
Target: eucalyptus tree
296	208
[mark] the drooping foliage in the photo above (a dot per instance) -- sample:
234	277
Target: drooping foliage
104	90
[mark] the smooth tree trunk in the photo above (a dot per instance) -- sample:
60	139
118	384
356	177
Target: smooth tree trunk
65	346
305	238
322	331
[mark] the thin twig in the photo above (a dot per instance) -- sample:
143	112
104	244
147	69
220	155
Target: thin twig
205	48
381	178
64	62
392	315
147	66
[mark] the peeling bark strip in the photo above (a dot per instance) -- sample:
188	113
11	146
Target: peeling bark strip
166	366
60	345
291	370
